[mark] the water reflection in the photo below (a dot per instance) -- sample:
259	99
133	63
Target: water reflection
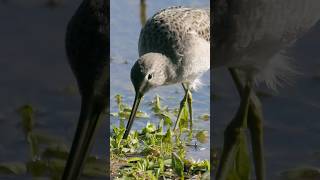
143	12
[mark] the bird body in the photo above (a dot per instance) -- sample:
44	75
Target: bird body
174	47
253	35
182	36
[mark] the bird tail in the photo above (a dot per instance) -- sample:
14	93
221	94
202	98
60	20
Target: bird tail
279	71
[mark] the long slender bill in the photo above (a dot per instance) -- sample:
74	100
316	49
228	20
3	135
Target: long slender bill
89	116
135	106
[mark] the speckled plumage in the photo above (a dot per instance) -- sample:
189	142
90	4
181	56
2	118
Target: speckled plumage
166	31
182	36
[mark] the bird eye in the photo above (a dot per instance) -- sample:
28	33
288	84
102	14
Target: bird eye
149	76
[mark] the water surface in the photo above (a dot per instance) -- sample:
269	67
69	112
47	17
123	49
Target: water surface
34	70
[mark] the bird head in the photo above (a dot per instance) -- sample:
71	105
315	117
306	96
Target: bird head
149	71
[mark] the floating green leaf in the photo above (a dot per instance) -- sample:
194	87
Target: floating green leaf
202	136
16	168
205	117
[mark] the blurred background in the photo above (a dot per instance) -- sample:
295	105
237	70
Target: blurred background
291	115
37	87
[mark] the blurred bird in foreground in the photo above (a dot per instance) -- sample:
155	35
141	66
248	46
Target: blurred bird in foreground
87	44
250	38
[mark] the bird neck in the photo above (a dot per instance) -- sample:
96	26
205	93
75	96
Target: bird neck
171	72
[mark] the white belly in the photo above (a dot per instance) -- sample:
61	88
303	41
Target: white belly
196	58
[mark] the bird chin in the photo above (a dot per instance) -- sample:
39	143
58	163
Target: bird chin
146	88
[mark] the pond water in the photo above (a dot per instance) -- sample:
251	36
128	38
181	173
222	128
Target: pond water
34	70
125	26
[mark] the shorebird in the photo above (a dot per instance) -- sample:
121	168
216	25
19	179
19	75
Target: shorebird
174	47
87	45
248	37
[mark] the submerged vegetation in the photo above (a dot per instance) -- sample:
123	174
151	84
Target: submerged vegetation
155	152
48	153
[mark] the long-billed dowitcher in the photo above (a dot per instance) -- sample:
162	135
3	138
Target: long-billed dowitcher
174	47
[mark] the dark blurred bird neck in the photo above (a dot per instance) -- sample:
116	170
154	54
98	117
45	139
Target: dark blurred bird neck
87	42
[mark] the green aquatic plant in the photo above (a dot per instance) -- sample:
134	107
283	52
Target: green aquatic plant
156	155
48	153
155	151
124	110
